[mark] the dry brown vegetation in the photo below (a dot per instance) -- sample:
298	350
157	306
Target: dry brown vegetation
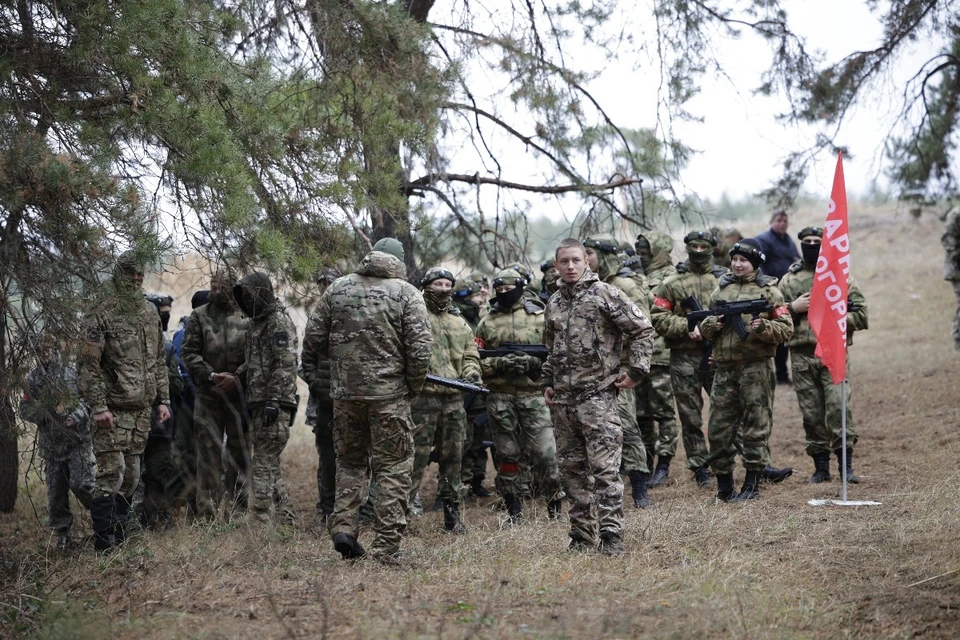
775	568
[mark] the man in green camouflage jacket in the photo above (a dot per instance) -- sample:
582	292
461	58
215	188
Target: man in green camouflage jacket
589	324
373	326
818	397
122	373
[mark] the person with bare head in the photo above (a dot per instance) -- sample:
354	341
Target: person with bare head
588	325
781	252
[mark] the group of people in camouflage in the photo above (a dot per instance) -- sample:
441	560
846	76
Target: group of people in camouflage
614	362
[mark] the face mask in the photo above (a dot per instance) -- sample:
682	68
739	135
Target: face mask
437	301
507	299
644	256
251	304
699	257
165	320
810	252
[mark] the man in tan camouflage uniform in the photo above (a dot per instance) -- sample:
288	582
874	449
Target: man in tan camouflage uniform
213	349
122	373
519	419
439	413
818	397
373	326
589	324
269	377
741	401
602	257
655	405
951	266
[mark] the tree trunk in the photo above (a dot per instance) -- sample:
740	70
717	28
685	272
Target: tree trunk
9	458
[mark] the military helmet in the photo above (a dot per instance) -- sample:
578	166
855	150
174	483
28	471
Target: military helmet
521	269
437	273
704	236
601	245
510	276
464	288
810	231
479	278
546	266
159	299
627	248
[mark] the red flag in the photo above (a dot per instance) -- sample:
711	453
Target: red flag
828	298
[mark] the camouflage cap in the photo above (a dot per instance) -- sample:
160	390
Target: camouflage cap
464	288
701	236
437	273
521	269
391	246
510	276
810	231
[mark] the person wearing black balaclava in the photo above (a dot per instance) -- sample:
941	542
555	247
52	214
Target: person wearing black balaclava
439	414
818	397
519	420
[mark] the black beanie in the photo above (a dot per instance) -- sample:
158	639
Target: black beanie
750	249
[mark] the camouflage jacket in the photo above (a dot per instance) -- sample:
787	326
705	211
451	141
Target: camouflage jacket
454	353
659	269
798	281
951	246
669	315
269	370
51	397
315	371
588	326
776	326
522	324
374	327
121	363
469	311
214	340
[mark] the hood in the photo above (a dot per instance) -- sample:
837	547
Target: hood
378	264
126	263
254	295
609	263
661	245
585	282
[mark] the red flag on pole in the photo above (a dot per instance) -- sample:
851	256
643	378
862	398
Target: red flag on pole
828	298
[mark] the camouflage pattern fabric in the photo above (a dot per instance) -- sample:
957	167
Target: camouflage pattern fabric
327	457
634	456
669	315
75	474
118	451
521	429
688	384
269	493
521	324
373	436
217	414
798	281
656	413
659	269
951	265
373	326
589	441
454	353
819	401
214	340
741	415
955	327
439	419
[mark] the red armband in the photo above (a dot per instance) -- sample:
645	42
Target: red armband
663	303
782	310
480	343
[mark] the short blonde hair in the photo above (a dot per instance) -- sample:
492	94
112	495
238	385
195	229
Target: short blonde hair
569	243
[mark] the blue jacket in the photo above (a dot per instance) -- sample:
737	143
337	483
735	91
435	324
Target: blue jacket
781	253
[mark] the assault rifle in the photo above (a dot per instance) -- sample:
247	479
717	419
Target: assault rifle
515	348
692	305
459	385
733	309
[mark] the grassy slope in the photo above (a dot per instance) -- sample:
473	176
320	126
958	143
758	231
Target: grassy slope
775	568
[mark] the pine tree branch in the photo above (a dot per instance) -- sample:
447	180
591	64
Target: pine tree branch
477	179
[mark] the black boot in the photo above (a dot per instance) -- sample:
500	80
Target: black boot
101	512
514	508
348	546
638	486
661	473
451	518
121	514
702	476
774	475
852	479
477	488
750	488
555	509
726	492
821	466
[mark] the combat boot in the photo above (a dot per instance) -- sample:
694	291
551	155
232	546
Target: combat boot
578	543
347	546
555	509
774	475
121	516
638	486
750	488
702	476
101	512
661	473
725	492
451	518
514	508
821	465
63	540
852	479
611	545
477	488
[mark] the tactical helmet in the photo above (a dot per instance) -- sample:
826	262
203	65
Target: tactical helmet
464	288
510	276
600	245
627	248
546	266
479	279
521	269
810	231
437	273
704	236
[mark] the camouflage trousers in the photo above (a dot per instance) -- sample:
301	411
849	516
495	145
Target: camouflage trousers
741	415
220	469
955	328
656	413
439	419
268	490
373	436
819	401
689	383
474	462
521	430
589	446
118	451
73	473
327	459
634	456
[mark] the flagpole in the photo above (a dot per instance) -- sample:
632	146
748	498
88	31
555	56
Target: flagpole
843	436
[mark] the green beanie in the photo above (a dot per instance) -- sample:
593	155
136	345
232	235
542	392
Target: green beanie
391	246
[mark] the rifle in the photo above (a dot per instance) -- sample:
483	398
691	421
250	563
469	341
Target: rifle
734	309
691	304
515	348
459	385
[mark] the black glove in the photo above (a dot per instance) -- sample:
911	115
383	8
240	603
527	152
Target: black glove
270	414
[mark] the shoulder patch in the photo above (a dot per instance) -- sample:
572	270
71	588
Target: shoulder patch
636	311
281	339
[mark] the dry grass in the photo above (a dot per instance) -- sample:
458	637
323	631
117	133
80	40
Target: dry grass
776	568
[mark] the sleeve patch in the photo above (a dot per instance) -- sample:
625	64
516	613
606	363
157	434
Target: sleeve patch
636	311
782	310
480	343
663	303
281	339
